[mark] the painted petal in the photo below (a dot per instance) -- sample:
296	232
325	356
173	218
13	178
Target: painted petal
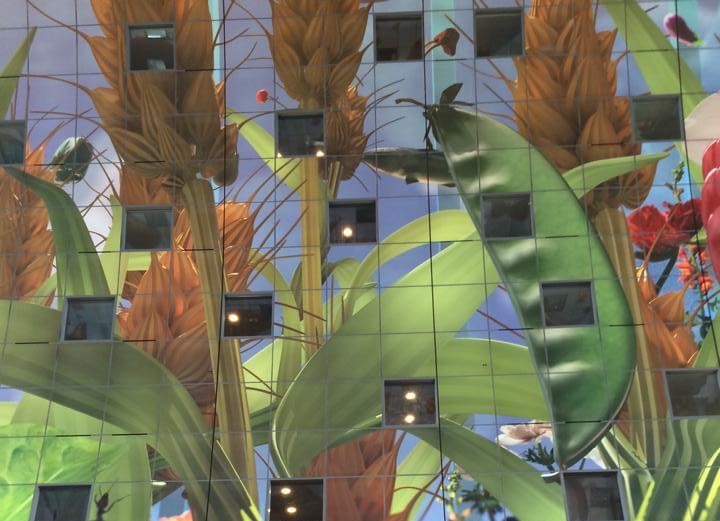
702	126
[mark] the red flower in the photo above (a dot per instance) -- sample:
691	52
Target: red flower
261	96
711	158
664	232
677	27
694	270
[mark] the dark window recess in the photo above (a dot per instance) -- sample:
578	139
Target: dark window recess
398	38
507	216
248	315
152	47
352	222
12	142
62	503
568	304
301	134
148	229
498	32
89	318
410	402
693	392
593	496
296	500
657	118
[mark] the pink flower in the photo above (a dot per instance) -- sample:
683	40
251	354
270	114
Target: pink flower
678	28
261	96
524	433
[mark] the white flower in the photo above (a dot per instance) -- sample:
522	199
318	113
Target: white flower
524	433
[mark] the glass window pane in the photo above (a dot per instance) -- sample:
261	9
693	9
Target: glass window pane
296	499
410	402
593	496
301	134
12	142
568	304
248	315
498	32
89	318
693	392
62	503
656	118
507	216
398	38
148	229
352	222
152	47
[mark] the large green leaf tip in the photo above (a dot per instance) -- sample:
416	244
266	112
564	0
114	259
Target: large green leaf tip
585	371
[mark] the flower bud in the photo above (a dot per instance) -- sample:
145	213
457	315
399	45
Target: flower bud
72	159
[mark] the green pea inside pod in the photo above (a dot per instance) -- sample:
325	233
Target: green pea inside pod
72	159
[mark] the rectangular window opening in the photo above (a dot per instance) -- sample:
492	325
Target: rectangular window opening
657	118
296	500
352	222
507	216
12	142
300	133
89	318
410	402
498	33
398	37
593	496
693	392
61	503
147	229
152	47
568	303
248	315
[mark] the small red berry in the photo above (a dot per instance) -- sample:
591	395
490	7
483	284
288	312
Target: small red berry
261	96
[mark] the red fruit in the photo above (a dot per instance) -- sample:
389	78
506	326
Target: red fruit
713	240
710	195
261	96
711	158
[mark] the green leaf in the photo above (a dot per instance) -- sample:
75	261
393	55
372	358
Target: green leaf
79	271
412	165
12	71
343	270
420	467
449	94
584	178
264	145
585	371
121	385
660	62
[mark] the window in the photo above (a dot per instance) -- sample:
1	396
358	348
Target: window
300	133
693	392
352	222
61	503
409	402
152	47
498	32
296	500
398	37
568	304
507	216
12	142
248	315
147	228
89	318
593	496
657	118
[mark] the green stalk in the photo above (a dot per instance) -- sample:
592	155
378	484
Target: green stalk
231	404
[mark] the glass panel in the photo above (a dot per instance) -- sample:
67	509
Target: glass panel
498	32
507	216
398	38
352	222
89	319
410	402
248	315
568	304
62	503
12	142
152	48
694	392
301	134
299	500
148	229
593	496
657	118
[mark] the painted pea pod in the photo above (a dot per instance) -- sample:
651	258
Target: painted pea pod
585	368
72	159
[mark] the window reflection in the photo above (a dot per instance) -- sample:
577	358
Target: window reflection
593	496
568	304
152	47
410	402
693	392
62	503
89	318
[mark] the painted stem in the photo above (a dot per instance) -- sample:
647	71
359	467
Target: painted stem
231	405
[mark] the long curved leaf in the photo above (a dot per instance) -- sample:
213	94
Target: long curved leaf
585	371
11	72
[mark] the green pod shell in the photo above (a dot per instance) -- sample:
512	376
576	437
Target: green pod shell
72	159
426	166
585	371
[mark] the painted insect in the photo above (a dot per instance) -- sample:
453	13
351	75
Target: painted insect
103	504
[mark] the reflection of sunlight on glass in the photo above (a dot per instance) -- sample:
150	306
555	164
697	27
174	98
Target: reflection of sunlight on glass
233	318
291	510
279	154
285	491
159	483
409	418
319	153
347	232
410	395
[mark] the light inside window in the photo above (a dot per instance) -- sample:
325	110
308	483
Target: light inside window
61	503
152	47
657	118
693	392
498	32
398	38
248	315
89	318
352	222
147	229
568	303
296	500
410	402
300	133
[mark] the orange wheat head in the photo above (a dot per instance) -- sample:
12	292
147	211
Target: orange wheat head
565	100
